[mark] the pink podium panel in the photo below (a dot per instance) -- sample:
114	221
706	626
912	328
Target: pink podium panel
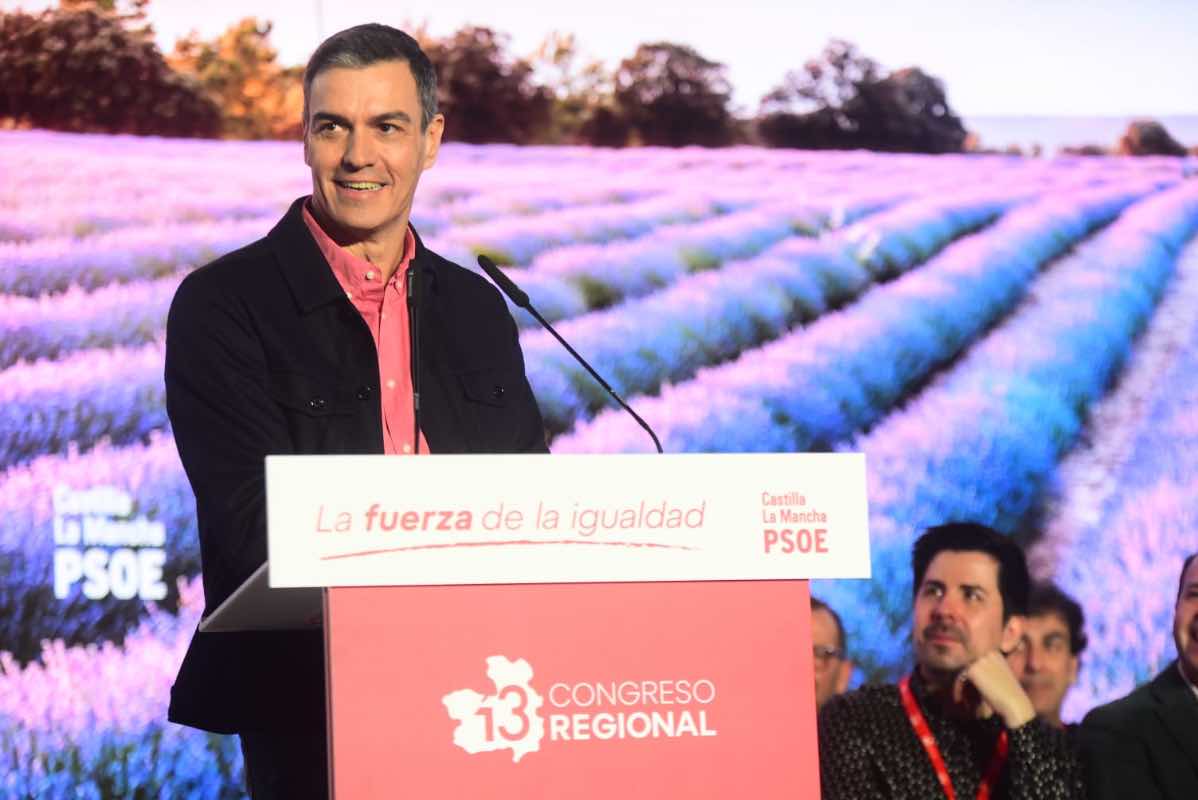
589	690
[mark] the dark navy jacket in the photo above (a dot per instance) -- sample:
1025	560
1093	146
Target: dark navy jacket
266	355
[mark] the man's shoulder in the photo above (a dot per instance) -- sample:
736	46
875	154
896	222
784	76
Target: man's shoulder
238	270
860	705
1135	708
461	281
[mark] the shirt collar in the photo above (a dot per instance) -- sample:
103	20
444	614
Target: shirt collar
1185	679
357	276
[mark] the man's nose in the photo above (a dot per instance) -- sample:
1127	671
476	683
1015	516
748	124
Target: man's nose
358	153
947	607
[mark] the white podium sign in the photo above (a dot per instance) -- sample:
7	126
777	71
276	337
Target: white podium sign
479	519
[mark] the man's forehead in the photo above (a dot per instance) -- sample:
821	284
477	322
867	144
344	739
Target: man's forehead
1189	581
822	623
382	77
1046	623
955	567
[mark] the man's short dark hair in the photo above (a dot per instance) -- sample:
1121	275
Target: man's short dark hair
1185	567
1047	598
968	537
363	45
820	605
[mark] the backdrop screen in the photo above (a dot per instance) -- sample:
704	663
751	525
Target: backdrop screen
1008	339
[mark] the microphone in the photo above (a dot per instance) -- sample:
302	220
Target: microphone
414	301
520	298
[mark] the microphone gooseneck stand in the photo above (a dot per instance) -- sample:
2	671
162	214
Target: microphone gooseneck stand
520	298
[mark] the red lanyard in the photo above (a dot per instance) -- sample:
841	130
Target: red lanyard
924	733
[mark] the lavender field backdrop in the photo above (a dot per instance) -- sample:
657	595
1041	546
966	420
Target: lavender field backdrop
1009	340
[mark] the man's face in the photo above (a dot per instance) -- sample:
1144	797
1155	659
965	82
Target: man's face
1185	623
832	672
958	613
363	141
1045	664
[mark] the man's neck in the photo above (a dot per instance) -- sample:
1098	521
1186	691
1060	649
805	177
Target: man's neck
939	686
382	248
939	682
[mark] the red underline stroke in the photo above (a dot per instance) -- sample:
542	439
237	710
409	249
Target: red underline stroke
506	543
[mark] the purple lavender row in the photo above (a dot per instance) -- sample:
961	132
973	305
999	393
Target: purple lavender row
51	326
123	256
151	475
90	721
90	395
1147	525
818	384
982	442
599	275
584	278
135	313
114	393
707	318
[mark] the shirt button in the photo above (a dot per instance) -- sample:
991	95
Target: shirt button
390	383
350	295
316	403
370	275
407	448
363	392
497	391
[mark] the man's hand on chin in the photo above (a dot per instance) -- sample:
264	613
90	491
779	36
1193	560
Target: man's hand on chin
998	690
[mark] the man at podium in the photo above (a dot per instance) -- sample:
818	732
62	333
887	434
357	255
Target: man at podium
337	333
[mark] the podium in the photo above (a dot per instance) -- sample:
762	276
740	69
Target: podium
561	626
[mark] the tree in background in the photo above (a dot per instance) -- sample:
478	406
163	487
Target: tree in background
1148	137
239	72
486	95
669	95
845	100
580	89
94	67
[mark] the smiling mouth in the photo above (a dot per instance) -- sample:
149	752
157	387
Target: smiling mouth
360	186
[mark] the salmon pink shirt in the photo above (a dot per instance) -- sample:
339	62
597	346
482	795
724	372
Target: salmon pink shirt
384	308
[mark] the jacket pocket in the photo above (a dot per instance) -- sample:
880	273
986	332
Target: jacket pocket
489	386
304	394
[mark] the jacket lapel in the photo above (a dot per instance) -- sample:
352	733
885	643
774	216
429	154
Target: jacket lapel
1178	710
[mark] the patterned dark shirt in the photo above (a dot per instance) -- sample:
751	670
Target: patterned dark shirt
868	750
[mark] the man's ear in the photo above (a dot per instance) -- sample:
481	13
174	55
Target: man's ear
307	154
845	675
432	139
1075	664
1012	632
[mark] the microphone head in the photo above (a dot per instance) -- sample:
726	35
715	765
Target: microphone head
505	284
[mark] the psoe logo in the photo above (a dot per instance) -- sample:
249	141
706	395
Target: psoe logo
509	719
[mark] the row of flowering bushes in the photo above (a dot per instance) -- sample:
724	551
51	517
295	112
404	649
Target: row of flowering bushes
711	317
982	441
819	384
1143	531
120	256
117	393
123	314
89	722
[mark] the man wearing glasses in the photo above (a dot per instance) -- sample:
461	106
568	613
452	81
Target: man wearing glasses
833	670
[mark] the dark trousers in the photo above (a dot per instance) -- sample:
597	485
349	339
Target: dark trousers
286	764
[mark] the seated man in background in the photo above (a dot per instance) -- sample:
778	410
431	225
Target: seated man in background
959	725
1049	654
1146	745
833	670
